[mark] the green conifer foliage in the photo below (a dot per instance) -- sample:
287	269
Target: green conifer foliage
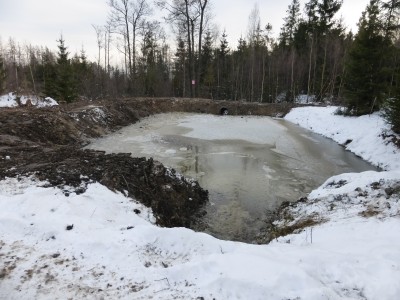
65	82
49	75
391	21
365	79
392	112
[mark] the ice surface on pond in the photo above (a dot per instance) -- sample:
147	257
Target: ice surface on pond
248	164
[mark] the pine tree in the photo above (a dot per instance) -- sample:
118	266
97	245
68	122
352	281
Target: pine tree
365	80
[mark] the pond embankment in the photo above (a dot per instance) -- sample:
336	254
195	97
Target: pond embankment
48	142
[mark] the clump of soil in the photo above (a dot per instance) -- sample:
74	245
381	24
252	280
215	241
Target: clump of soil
173	199
391	138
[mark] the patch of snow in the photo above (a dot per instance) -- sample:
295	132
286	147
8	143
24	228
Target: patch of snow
360	135
47	102
10	100
97	114
305	99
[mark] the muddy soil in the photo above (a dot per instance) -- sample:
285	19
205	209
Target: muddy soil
48	143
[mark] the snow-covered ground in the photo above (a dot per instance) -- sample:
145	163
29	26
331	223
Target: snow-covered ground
10	100
360	135
94	245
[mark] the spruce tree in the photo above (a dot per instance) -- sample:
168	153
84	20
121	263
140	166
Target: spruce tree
365	80
207	79
327	10
180	75
392	112
390	12
49	74
290	26
222	68
66	84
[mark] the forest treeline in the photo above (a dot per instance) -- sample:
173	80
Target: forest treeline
313	56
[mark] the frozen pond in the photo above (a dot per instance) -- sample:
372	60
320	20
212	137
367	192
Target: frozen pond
248	164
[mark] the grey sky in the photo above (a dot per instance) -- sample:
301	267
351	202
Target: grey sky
41	22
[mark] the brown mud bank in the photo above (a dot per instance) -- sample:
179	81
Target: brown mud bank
48	143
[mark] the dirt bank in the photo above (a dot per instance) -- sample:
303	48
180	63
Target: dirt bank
48	142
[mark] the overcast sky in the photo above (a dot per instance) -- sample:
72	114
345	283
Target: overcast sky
40	22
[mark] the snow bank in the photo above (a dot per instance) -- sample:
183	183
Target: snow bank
10	100
360	135
361	212
95	246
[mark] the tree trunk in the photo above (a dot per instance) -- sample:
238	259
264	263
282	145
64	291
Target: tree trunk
202	11
189	41
292	77
323	69
310	68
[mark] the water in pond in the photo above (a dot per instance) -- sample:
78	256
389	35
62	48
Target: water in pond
248	164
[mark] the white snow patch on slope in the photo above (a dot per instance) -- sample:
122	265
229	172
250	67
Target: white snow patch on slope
363	133
10	100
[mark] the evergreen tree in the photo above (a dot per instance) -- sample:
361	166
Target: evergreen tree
180	76
311	13
223	82
80	73
291	24
365	81
392	112
287	37
327	10
391	13
391	9
207	78
66	83
49	74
